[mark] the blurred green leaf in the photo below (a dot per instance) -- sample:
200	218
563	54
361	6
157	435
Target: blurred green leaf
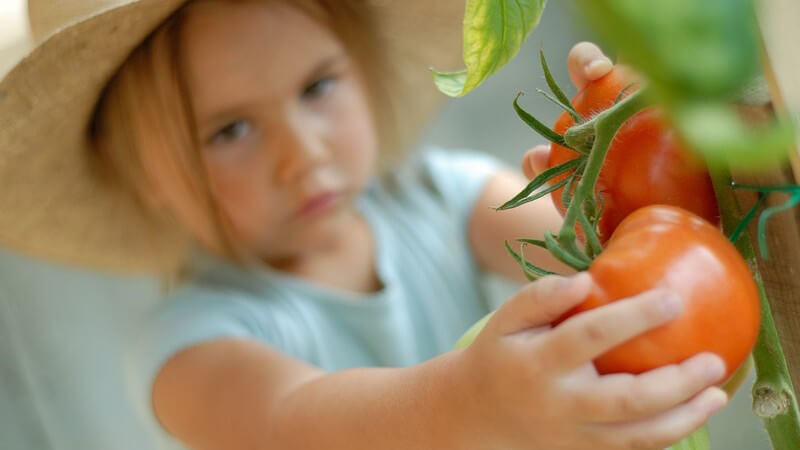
494	31
698	57
686	48
716	131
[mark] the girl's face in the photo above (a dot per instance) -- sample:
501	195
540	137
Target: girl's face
284	124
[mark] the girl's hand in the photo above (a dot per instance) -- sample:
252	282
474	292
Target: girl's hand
529	386
585	62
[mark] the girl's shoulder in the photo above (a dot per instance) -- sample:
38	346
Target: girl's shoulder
452	179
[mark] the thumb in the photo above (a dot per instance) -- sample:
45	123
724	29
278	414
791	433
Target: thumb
535	161
586	62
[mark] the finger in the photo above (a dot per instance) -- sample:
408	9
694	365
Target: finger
540	303
535	161
587	335
626	398
665	429
586	62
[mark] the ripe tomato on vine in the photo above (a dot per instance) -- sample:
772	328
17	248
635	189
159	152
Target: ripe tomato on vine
646	164
671	248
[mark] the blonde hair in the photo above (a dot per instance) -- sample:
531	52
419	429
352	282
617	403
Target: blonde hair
147	103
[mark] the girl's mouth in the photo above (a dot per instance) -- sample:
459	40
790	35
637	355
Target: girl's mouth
319	204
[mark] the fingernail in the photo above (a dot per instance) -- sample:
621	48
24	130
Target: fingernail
717	401
597	68
672	304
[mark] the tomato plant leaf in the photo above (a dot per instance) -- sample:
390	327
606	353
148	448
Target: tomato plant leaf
531	271
718	42
543	130
717	131
563	100
719	57
624	91
534	242
540	181
450	83
494	31
533	197
565	106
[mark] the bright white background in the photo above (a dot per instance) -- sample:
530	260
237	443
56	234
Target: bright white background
13	30
12	24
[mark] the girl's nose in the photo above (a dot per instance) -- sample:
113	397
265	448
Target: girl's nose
299	149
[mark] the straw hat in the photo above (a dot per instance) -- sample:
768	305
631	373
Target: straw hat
51	203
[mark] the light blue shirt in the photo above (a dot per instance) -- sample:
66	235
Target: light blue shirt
431	293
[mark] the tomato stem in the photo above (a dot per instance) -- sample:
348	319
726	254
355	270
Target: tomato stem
564	254
793	201
774	400
764	191
593	245
742	226
600	130
790	188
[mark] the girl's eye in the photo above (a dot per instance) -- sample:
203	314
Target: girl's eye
318	88
232	132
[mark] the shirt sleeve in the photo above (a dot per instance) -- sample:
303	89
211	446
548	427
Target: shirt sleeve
190	317
459	177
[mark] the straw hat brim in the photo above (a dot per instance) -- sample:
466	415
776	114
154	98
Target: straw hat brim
12	52
53	206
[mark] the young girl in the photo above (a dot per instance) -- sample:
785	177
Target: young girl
324	289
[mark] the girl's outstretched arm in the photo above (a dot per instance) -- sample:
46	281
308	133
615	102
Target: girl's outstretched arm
240	394
520	385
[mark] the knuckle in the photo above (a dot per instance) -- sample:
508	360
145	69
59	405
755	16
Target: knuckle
626	404
653	310
595	332
697	408
546	354
549	285
585	403
544	293
686	381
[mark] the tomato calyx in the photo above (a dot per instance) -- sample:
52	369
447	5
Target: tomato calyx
590	139
580	137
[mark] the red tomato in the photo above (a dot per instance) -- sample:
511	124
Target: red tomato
646	164
667	247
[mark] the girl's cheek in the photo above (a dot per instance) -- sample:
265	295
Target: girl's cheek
358	131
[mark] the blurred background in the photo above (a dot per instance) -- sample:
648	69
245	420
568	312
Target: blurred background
89	375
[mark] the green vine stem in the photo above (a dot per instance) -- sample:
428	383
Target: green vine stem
600	132
774	399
